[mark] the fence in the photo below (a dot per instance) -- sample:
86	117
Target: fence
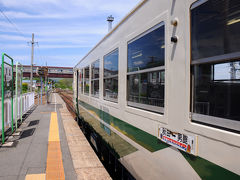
13	104
19	109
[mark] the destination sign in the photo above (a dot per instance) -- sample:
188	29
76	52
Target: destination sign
181	141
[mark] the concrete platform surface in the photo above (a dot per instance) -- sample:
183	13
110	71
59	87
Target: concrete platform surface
54	148
28	158
85	161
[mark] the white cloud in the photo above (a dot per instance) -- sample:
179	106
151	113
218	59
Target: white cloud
28	3
63	9
69	31
16	46
23	15
57	46
56	29
44	46
5	24
52	60
72	36
45	15
59	25
12	37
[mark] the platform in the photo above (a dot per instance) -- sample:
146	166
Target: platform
50	146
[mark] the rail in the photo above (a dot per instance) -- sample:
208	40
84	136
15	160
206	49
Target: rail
67	97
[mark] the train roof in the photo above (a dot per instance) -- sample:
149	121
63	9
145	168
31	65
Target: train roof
114	29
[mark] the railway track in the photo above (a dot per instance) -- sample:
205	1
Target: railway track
67	97
106	154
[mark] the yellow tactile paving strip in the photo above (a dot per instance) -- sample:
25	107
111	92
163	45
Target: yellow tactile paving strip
35	177
54	170
53	129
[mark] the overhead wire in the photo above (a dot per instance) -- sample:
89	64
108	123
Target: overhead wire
13	24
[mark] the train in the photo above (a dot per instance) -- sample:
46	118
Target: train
158	97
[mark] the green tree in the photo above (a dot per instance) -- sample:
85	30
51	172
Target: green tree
24	87
64	84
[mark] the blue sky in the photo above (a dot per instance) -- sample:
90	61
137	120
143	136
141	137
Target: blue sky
64	29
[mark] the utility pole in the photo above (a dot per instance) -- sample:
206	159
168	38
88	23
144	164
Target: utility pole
31	78
46	77
46	89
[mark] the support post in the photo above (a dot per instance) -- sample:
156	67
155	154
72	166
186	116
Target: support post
12	96
16	96
21	108
3	94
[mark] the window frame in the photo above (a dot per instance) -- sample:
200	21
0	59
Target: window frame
81	81
208	120
151	108
111	77
84	81
95	79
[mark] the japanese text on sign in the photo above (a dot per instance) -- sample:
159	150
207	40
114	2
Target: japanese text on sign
181	141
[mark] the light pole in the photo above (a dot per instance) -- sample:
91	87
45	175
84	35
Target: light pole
31	78
32	55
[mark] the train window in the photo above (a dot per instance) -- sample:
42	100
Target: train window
110	82
147	51
86	80
95	78
215	66
81	80
146	71
215	28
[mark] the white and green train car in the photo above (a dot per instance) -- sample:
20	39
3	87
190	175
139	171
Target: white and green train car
158	97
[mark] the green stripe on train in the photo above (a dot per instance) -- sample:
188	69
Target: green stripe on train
204	168
208	170
117	145
139	136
